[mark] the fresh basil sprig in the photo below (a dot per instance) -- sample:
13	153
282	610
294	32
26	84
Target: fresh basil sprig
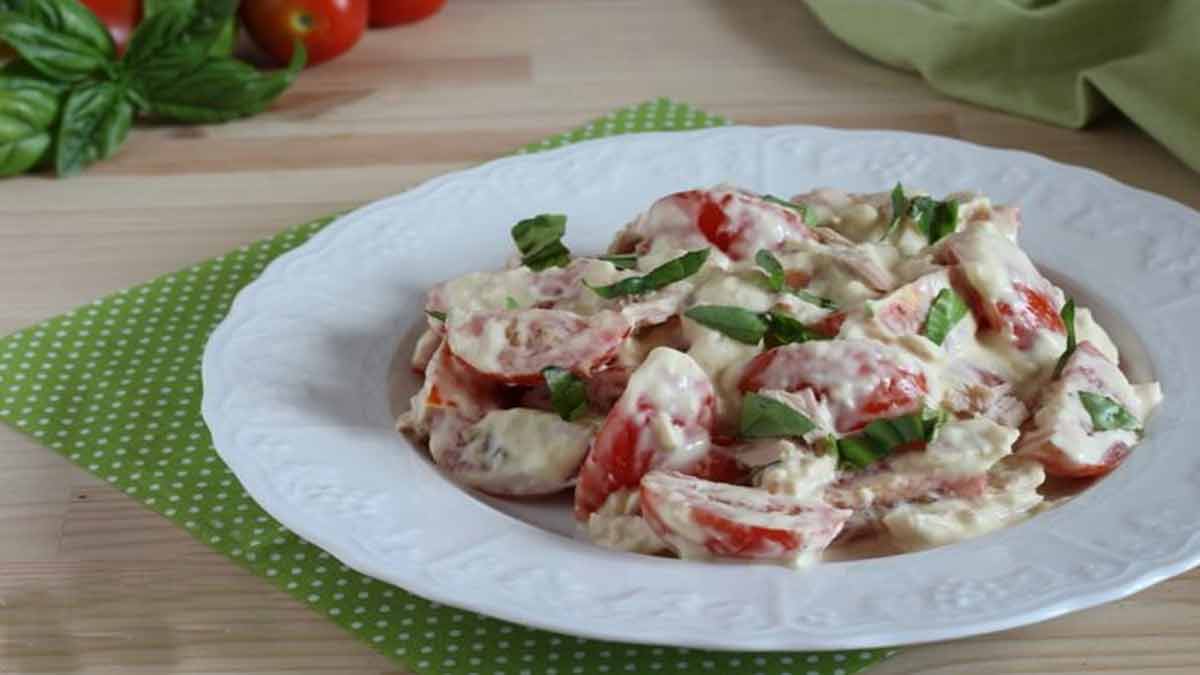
440	316
882	437
621	261
947	309
1068	317
776	280
176	69
1107	414
61	39
539	239
568	393
676	269
764	417
750	328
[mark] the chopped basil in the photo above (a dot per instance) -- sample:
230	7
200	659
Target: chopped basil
511	303
1068	318
945	312
777	280
764	417
798	208
568	394
539	239
740	324
823	303
810	217
898	204
882	437
783	329
621	261
665	274
1106	413
749	327
933	218
440	316
772	268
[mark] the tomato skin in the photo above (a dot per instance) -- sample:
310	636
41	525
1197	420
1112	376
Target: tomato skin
327	28
728	520
897	390
119	16
393	12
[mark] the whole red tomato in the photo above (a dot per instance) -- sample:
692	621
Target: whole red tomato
392	12
119	16
326	27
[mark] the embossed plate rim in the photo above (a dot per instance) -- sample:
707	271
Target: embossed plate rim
657	612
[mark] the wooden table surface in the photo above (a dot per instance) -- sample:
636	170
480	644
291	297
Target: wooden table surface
91	582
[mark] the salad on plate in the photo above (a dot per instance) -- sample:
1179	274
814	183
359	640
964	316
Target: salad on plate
756	378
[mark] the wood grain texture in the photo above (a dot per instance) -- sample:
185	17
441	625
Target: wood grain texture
92	583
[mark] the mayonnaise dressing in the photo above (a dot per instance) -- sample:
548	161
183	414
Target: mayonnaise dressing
520	452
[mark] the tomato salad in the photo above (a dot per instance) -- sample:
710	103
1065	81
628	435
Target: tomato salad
750	377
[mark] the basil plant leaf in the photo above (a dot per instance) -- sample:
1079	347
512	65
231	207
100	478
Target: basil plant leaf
947	309
1106	413
95	122
734	322
568	393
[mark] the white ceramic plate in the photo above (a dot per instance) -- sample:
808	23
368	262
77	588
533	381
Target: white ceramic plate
296	393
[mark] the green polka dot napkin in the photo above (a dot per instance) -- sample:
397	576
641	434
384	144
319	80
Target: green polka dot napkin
115	386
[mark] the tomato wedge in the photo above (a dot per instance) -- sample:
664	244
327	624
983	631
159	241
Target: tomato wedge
859	380
514	346
693	515
664	418
1062	436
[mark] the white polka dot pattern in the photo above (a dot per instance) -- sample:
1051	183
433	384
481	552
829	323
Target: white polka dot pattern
115	386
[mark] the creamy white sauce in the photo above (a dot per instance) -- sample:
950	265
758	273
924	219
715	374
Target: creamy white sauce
618	525
684	378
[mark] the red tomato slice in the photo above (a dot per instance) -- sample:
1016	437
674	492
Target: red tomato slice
1022	308
514	346
740	223
663	418
1087	369
886	384
733	521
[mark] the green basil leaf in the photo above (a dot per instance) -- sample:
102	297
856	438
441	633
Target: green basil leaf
823	303
932	421
539	239
568	393
783	330
511	303
1106	413
29	110
898	205
676	269
213	89
181	31
770	266
740	324
945	220
61	39
621	261
792	206
921	210
764	417
882	437
945	312
440	316
858	451
95	122
1068	317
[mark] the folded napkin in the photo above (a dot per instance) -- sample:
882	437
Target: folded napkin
1058	61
